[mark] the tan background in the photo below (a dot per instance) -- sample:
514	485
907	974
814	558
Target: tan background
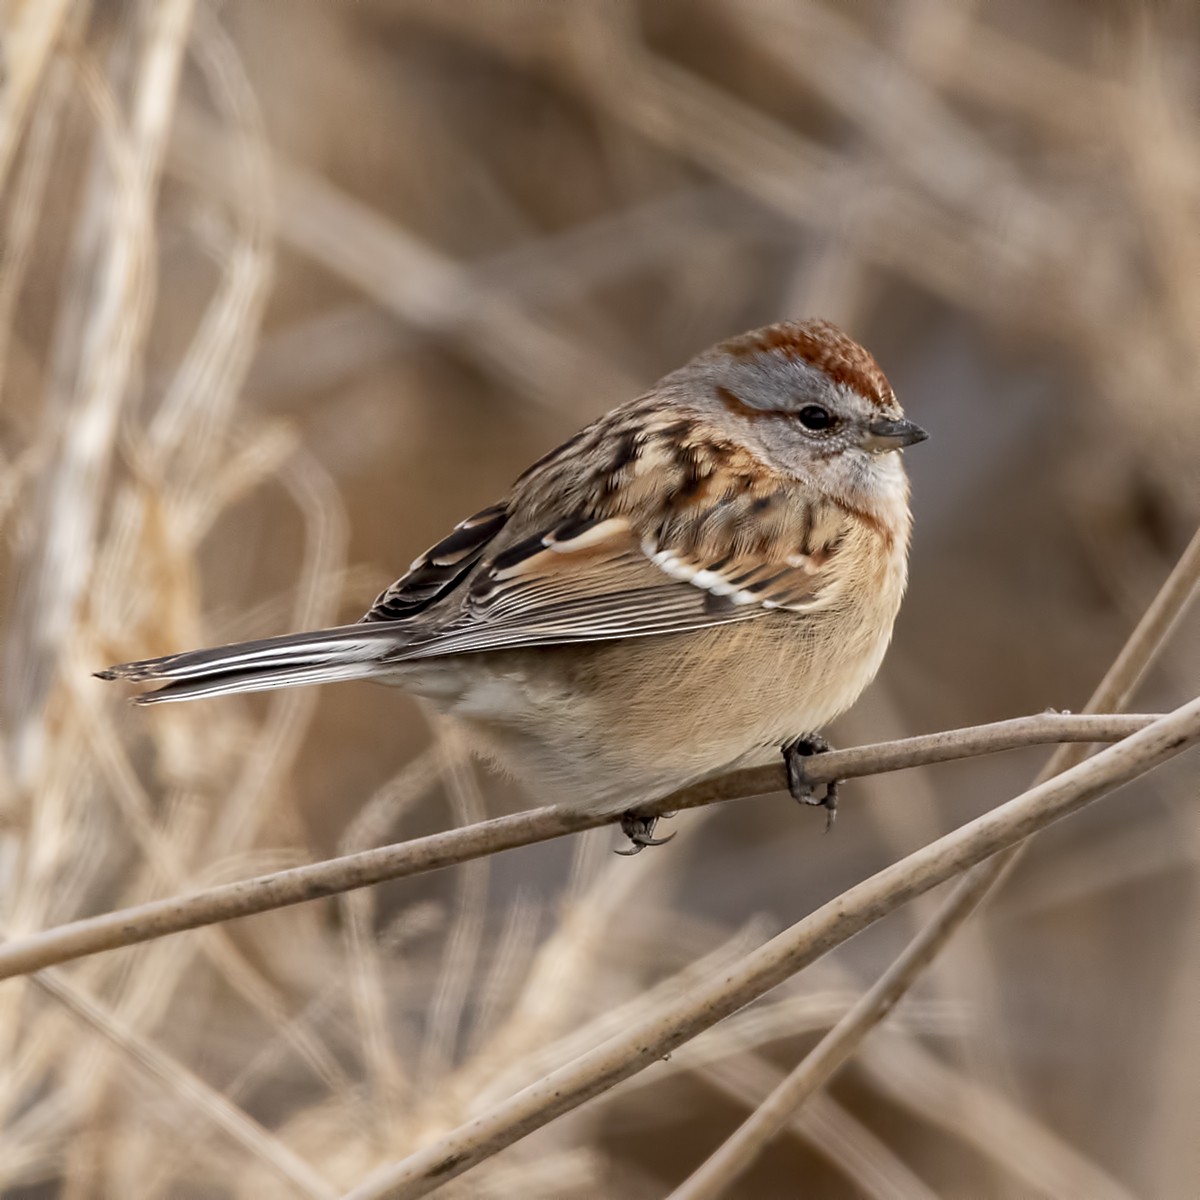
289	287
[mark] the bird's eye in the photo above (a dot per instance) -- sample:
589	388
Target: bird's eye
816	418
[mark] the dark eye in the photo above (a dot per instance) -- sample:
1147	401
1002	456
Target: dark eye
816	418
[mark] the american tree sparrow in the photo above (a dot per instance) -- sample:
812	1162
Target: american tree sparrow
681	588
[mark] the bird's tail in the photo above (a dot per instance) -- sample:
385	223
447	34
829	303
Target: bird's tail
347	652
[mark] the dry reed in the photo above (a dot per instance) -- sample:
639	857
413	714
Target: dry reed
286	289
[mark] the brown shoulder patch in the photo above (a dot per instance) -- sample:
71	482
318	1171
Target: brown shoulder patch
820	344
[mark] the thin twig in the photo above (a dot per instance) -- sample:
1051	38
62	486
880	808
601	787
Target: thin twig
157	918
833	923
715	1175
736	1154
834	1133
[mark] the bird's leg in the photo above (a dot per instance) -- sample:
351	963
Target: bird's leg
639	828
801	788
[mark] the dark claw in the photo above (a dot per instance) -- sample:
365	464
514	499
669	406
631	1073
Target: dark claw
802	790
638	829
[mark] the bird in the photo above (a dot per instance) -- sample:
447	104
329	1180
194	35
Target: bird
697	581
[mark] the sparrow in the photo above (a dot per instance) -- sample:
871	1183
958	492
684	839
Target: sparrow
697	580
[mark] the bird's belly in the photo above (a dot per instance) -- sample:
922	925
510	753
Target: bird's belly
608	724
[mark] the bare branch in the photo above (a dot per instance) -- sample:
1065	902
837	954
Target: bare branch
713	1177
809	939
157	918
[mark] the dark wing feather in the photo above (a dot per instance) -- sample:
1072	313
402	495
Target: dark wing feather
440	569
556	593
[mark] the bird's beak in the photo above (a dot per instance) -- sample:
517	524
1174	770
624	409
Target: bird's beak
883	435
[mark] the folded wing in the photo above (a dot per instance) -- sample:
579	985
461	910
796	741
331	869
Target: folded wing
675	536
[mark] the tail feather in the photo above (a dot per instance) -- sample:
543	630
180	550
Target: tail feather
252	681
348	652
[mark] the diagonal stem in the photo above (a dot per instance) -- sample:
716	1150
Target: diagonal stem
715	1175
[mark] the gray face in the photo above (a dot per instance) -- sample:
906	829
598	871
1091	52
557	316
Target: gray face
809	424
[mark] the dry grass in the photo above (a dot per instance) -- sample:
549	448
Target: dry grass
286	289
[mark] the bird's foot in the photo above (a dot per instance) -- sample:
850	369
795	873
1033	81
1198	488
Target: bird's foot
639	828
823	795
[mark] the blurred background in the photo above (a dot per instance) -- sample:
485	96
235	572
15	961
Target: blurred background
288	288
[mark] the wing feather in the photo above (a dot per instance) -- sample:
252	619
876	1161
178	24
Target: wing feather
674	530
438	571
